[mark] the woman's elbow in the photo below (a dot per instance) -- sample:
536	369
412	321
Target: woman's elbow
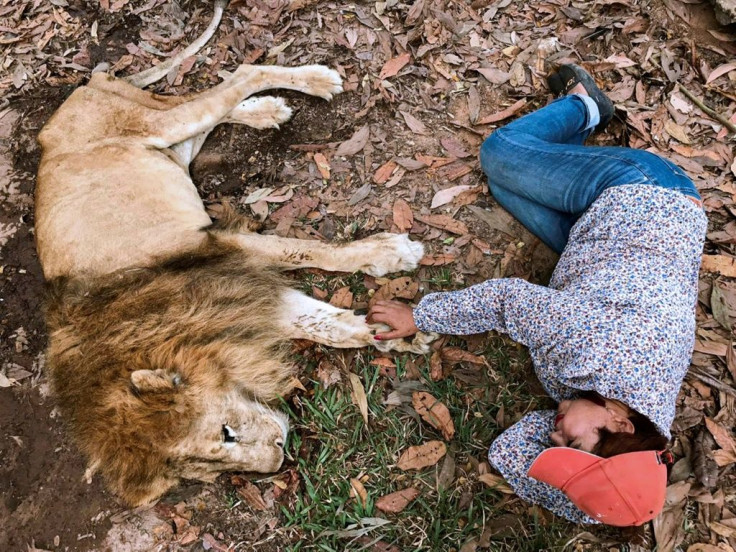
501	457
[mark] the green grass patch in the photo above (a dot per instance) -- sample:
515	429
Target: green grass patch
330	444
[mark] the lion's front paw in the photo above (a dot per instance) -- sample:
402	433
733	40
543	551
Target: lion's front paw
262	112
419	344
391	253
321	81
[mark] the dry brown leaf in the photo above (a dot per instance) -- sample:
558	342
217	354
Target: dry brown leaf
501	115
414	13
622	91
722	529
404	288
252	496
396	178
360	194
711	348
260	210
668	525
456	354
213	544
704	548
357	393
720	70
323	166
723	303
704	466
403	217
493	75
445	196
731	360
342	298
495	482
384	172
394	65
436	371
358	490
454	148
327	373
722	264
724	457
286	484
473	104
422	456
446	477
438	260
396	502
722	435
414	124
467	197
677	132
355	143
455	171
444	222
434	413
434	162
707	156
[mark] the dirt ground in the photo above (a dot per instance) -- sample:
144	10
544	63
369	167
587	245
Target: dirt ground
46	501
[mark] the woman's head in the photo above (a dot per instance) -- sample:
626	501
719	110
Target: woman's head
604	427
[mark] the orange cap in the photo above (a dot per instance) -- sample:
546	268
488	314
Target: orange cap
627	489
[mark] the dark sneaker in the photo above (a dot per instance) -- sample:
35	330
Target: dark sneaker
570	75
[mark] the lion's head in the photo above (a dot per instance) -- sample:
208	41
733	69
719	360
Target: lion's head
169	373
164	426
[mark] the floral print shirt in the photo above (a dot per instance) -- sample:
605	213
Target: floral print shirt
618	318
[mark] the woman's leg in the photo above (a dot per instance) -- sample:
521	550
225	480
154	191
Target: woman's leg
550	226
539	158
564	123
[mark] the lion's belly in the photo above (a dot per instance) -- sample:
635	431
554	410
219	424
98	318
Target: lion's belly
90	220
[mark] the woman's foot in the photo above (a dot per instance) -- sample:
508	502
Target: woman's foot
578	89
573	79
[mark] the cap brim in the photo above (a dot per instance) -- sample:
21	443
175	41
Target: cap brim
557	465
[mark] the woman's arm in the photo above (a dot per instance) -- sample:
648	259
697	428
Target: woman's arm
528	313
513	453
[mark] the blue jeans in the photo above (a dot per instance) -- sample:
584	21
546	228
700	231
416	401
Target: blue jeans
539	170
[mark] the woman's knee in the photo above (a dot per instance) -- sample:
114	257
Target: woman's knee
492	151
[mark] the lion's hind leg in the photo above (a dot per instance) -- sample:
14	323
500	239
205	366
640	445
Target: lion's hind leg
305	318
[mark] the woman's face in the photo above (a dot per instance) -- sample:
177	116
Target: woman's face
578	422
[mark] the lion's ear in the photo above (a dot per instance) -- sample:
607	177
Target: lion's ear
154	380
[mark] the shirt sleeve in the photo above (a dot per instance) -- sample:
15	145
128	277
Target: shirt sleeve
509	305
513	453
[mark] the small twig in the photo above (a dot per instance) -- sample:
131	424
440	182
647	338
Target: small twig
721	92
713	382
721	119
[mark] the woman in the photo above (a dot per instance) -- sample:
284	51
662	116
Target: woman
611	337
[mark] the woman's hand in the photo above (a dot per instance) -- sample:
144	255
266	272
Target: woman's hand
397	315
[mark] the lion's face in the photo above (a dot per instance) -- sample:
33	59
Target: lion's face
232	433
164	426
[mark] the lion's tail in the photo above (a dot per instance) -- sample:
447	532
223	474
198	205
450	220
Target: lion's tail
149	76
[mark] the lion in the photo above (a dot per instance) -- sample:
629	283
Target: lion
167	330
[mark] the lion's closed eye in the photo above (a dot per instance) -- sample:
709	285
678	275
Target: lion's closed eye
228	434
